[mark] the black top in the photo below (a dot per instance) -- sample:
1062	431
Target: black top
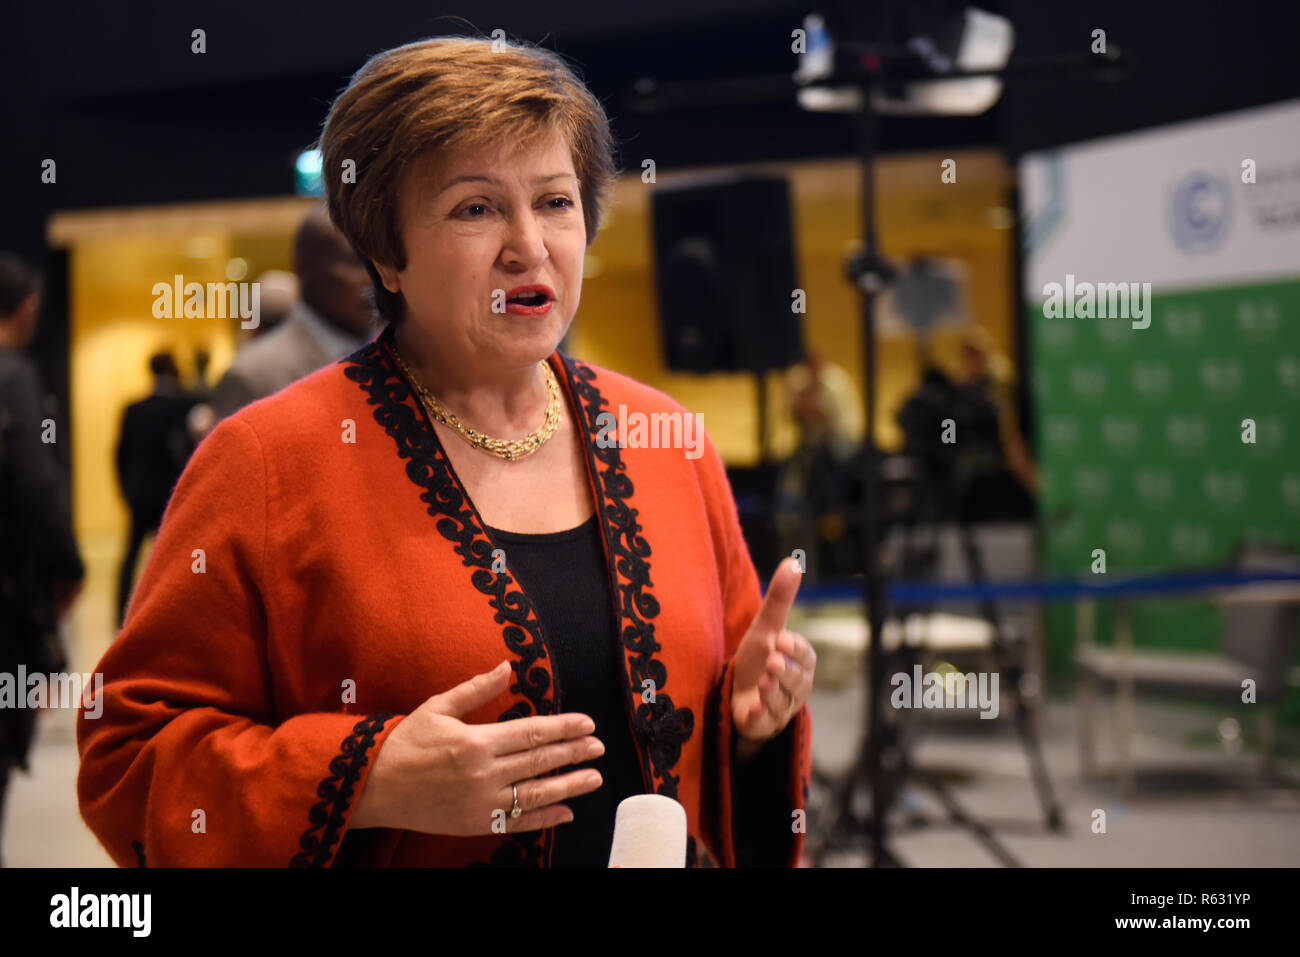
564	576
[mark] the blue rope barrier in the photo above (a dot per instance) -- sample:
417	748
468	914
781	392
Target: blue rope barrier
919	593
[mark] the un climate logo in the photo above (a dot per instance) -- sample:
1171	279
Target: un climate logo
1200	210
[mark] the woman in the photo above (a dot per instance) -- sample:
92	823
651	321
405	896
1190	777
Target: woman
419	608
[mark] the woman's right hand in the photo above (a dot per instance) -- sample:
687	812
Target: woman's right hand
438	775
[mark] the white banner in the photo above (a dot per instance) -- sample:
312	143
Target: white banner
1210	202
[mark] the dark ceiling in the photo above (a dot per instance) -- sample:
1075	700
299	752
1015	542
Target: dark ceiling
113	93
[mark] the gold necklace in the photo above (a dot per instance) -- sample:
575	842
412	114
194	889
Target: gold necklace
509	449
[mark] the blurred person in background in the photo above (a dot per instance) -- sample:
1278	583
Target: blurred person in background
201	389
40	567
961	434
331	318
280	290
153	446
201	418
813	487
989	376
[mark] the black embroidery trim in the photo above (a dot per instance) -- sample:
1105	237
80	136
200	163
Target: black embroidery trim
430	469
139	853
335	792
661	727
372	368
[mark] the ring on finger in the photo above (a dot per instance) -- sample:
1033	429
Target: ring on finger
515	809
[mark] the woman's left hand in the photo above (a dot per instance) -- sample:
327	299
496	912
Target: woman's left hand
774	666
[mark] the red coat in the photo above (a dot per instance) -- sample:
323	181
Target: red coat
321	535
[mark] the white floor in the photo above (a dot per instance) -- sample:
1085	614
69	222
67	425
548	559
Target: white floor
42	826
1198	802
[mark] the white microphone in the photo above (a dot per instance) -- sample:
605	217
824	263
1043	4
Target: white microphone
649	831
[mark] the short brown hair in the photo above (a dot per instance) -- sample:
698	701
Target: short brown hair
435	98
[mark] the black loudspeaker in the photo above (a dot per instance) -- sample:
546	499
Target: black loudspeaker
725	274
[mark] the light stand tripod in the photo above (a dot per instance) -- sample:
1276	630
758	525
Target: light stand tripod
882	763
938	487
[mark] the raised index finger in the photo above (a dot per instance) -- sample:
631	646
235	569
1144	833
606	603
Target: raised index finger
524	734
780	596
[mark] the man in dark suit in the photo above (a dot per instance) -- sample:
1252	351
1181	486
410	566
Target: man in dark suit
40	568
152	450
332	318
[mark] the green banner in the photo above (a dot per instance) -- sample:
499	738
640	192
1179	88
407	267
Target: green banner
1167	447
